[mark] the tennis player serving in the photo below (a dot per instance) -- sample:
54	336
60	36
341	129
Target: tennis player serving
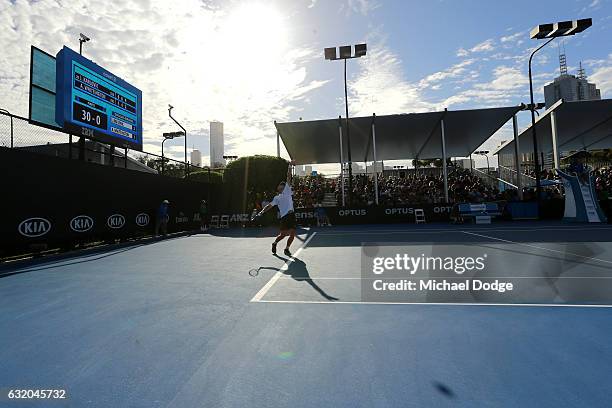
284	201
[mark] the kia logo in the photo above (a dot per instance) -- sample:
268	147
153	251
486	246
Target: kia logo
34	227
142	219
115	221
81	223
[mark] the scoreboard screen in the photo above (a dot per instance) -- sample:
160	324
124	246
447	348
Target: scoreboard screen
94	103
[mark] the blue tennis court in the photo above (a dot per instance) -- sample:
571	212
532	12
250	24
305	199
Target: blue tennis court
181	323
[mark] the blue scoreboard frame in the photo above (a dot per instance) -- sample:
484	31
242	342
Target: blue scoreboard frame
96	104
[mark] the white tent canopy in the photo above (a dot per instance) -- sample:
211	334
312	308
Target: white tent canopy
579	125
392	137
398	137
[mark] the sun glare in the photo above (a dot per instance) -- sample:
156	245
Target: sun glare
255	31
251	62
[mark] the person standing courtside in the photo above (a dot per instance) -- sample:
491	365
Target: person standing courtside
161	222
203	216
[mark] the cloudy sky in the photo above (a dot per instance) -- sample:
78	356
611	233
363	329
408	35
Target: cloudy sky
247	63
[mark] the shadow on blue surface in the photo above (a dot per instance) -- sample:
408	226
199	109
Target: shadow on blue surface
298	270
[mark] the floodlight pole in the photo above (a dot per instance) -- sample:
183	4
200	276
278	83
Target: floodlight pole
348	140
550	31
164	160
536	160
83	39
374	154
170	107
517	158
341	161
444	169
330	54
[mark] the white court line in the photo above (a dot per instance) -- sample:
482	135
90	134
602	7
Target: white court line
262	292
437	304
538	247
440	230
455	277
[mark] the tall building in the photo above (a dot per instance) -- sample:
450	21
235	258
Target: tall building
216	145
570	87
196	158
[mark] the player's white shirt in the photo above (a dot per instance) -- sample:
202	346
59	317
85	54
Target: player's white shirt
284	201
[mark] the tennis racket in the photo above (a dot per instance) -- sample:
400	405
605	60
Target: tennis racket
254	272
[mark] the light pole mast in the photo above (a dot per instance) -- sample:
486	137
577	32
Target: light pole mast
550	32
346	53
170	107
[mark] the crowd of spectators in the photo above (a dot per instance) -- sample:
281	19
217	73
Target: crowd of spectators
603	183
463	186
309	191
602	178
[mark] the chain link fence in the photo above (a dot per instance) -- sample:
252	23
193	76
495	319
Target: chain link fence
17	133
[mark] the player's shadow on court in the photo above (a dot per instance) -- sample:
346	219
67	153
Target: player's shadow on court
297	270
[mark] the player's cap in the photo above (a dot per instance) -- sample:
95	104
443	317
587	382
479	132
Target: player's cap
166	202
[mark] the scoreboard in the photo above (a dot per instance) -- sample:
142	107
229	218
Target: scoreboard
94	103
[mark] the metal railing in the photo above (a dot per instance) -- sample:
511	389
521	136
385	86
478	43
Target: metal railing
493	181
509	175
17	132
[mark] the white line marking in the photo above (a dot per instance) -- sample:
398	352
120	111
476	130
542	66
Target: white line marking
441	230
537	247
262	292
436	304
456	277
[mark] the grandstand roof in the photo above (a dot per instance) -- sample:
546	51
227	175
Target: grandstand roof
398	137
580	125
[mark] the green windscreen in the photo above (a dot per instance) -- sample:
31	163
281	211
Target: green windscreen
42	88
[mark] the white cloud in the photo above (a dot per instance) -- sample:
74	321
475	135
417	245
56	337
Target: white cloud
196	57
602	77
484	46
381	87
462	52
362	7
455	71
511	37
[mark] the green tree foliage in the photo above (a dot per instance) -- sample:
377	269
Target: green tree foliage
256	173
202	176
249	176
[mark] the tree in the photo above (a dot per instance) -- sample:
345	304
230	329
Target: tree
247	176
202	176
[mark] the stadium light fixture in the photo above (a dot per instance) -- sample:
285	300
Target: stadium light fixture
345	52
484	153
82	39
168	136
170	107
548	31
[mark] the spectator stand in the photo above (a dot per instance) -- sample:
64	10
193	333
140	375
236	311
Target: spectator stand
433	135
